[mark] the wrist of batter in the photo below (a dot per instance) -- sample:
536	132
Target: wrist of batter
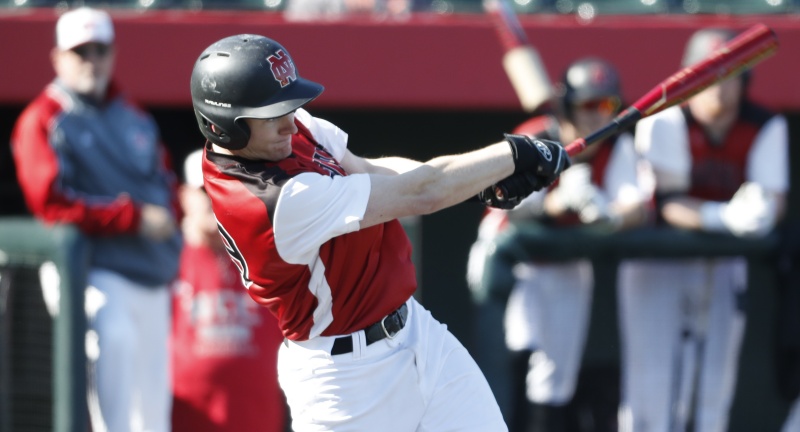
711	216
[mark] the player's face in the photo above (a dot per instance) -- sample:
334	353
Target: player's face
591	115
270	139
717	101
85	69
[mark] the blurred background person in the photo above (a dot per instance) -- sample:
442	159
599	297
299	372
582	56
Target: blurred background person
224	345
86	156
721	166
549	307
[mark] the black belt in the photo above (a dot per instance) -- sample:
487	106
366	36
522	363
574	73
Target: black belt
385	328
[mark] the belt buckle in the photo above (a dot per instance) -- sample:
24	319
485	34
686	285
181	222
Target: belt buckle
399	317
383	327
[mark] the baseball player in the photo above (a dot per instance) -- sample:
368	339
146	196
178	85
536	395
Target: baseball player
548	309
313	229
720	164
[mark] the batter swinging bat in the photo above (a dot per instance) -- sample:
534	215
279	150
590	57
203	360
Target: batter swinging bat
520	61
745	50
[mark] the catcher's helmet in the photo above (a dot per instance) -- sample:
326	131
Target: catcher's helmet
245	76
586	80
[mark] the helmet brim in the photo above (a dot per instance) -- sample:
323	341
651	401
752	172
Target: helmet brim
299	93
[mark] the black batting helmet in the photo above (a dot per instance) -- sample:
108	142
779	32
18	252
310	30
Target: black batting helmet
587	79
245	76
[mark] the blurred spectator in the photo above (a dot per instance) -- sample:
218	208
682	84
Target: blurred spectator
720	164
86	156
224	345
549	306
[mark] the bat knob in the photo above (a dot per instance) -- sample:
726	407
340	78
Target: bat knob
498	192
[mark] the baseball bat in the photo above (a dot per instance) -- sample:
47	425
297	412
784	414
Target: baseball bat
521	61
744	51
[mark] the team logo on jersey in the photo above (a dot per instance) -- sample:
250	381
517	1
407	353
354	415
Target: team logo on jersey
327	162
282	68
236	255
544	150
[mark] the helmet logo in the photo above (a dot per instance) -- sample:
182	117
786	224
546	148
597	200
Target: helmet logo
282	68
599	76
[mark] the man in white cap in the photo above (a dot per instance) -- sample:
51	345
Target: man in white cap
86	156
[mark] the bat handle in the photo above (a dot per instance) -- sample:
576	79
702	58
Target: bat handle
622	121
575	147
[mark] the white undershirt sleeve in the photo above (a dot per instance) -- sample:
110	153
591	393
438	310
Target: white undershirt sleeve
623	180
663	141
768	163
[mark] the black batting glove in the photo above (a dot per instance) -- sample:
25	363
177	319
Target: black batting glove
509	192
544	158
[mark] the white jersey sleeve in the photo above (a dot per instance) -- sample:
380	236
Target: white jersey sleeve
328	135
626	180
314	208
663	141
768	163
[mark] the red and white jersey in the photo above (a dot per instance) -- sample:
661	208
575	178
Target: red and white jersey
292	228
755	150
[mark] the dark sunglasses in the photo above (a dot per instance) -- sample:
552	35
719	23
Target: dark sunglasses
605	105
97	49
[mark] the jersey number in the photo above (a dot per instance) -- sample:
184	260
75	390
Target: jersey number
236	255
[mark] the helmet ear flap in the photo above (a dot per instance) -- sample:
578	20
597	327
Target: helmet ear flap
231	139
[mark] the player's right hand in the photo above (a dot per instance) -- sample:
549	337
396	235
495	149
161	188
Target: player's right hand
544	158
157	223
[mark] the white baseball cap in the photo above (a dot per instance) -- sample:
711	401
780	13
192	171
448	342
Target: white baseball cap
83	25
193	169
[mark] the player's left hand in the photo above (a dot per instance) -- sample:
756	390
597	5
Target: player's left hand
544	158
509	192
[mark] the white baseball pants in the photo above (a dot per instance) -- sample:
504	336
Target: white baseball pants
129	381
548	312
422	380
681	328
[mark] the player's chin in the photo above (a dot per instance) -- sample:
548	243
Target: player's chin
280	152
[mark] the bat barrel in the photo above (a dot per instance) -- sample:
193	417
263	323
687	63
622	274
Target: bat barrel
741	52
